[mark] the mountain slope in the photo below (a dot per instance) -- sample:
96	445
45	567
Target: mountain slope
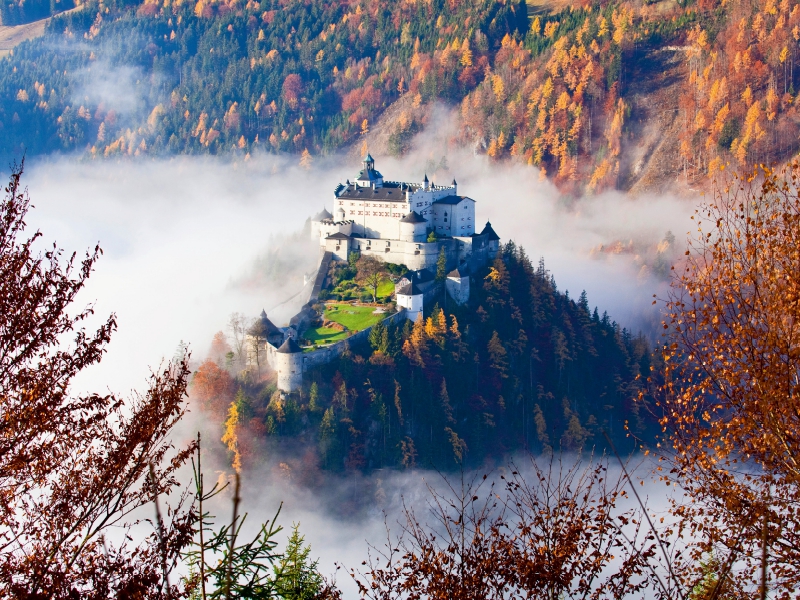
605	95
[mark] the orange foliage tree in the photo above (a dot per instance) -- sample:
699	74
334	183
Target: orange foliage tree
730	400
75	468
214	388
552	533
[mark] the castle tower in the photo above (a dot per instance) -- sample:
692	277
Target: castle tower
409	296
369	177
493	240
413	228
289	365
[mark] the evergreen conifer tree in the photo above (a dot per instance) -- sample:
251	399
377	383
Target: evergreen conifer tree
296	577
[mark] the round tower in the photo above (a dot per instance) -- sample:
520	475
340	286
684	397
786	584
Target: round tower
413	227
289	365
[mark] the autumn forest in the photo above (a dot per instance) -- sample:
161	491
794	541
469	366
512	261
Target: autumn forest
574	91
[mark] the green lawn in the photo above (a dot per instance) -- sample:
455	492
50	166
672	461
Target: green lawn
355	318
385	289
324	335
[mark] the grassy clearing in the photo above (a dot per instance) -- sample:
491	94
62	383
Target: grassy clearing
324	335
385	289
355	318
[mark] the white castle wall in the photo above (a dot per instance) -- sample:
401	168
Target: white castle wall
414	255
412	304
458	289
454	219
381	218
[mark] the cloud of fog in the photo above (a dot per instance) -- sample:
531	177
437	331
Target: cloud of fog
187	241
180	241
115	87
341	517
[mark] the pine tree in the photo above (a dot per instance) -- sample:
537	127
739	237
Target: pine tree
313	398
296	577
498	356
441	266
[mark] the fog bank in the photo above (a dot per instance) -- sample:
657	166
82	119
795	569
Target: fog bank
187	241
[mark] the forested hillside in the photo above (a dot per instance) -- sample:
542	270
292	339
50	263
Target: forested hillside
522	366
597	94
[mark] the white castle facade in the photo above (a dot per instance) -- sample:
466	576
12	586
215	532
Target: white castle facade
396	222
393	220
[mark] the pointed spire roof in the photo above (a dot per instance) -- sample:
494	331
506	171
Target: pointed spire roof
426	178
488	231
264	326
368	158
289	347
454	182
322	215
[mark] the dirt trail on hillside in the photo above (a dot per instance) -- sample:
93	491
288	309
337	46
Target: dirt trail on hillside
13	35
650	158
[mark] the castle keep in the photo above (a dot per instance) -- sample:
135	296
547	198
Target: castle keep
396	222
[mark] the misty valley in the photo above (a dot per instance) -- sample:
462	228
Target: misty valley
486	359
471	299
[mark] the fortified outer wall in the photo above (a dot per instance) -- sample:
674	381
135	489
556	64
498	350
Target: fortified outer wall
414	255
290	367
325	355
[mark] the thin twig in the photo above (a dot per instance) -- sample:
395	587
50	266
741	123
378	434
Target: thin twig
232	539
161	537
644	510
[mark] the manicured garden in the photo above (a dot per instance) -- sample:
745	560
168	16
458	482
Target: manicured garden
353	318
347	282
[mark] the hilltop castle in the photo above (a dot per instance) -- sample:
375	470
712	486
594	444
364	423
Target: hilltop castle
396	222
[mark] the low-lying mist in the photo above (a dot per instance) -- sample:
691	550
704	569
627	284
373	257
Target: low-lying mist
188	241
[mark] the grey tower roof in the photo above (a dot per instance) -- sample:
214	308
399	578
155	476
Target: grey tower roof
341	236
488	231
368	173
322	215
289	347
413	217
451	199
426	177
264	326
461	271
410	289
